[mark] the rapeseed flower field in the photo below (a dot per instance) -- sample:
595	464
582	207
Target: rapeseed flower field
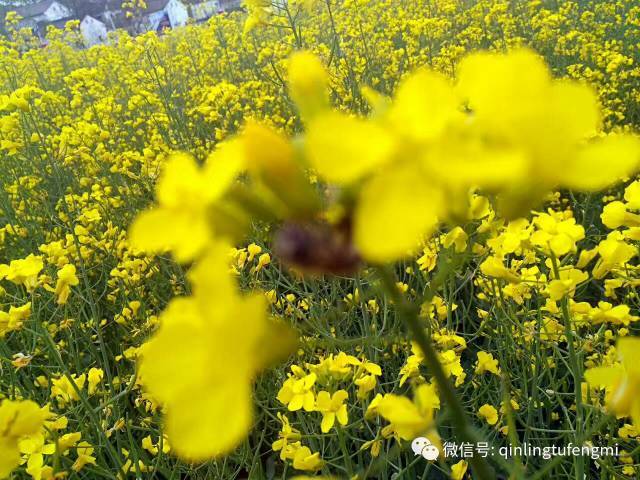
314	238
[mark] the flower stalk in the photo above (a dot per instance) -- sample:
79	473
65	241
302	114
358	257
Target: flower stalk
408	312
574	362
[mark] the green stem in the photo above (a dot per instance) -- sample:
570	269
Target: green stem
543	472
93	418
409	314
292	24
575	369
345	452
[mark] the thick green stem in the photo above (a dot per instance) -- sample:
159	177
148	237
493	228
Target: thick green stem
409	314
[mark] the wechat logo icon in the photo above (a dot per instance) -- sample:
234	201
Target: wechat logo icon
422	446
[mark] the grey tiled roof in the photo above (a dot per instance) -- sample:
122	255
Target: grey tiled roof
34	9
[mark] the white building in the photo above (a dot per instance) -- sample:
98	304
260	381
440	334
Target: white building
101	16
204	10
158	15
93	31
165	13
38	15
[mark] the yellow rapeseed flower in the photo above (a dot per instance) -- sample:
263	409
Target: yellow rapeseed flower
181	222
408	419
201	361
66	279
18	420
486	363
488	413
621	380
332	407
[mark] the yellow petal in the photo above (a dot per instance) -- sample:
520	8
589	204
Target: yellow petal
182	182
328	419
177	352
308	84
158	230
472	164
424	105
342	415
223	166
603	162
574	110
211	277
629	351
211	423
601	377
343	148
282	341
9	456
493	83
395	211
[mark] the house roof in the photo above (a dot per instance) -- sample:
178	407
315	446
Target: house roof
155	5
34	9
93	8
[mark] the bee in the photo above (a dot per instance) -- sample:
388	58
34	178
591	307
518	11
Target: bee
318	247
